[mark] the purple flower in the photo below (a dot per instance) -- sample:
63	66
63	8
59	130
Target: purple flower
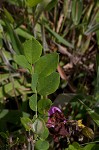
51	120
57	123
53	109
62	129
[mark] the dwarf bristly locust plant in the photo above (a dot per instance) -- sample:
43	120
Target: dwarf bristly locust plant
44	81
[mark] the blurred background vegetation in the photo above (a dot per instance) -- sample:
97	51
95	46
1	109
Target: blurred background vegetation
68	27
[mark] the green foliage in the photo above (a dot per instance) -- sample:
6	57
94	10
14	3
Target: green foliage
7	89
91	146
59	38
39	126
49	84
34	82
69	27
23	33
93	114
44	81
44	134
46	65
51	5
17	46
32	3
32	50
42	145
92	29
33	102
22	61
76	146
8	15
27	123
44	105
77	7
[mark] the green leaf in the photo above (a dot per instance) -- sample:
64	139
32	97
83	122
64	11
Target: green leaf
44	134
85	45
32	3
27	123
7	89
4	135
32	50
89	147
93	114
44	105
71	147
76	145
34	82
59	38
41	7
11	116
8	15
46	64
51	5
38	126
17	46
49	84
22	61
77	6
33	102
23	33
42	145
92	29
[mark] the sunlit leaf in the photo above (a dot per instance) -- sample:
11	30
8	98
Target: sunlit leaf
8	15
32	3
44	105
22	61
49	84
32	50
38	126
44	134
27	123
23	33
33	102
89	146
46	65
59	38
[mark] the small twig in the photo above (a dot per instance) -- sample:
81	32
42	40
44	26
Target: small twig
59	24
64	77
62	50
45	46
30	141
